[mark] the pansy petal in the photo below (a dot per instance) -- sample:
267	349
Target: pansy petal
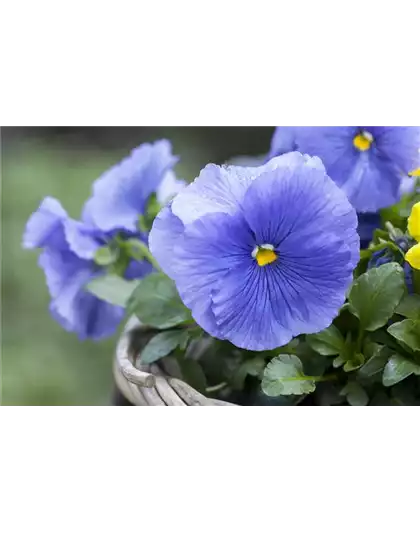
245	303
121	193
166	230
45	226
400	144
329	143
407	186
206	251
261	308
319	206
59	266
83	313
372	183
169	187
314	276
84	241
221	189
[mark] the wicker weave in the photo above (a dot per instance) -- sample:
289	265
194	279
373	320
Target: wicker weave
150	385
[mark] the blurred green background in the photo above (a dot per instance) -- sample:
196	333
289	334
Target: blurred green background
41	363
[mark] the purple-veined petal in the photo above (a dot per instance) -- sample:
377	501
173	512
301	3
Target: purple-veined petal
45	225
59	266
169	187
399	145
206	251
221	189
83	313
166	230
121	193
299	198
83	240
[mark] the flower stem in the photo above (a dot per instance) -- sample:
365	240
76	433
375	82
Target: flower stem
215	388
151	259
139	250
328	377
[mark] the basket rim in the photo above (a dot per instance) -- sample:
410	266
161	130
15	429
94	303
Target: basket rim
150	385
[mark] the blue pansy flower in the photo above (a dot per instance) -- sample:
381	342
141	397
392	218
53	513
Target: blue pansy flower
121	194
260	254
69	247
367	162
119	198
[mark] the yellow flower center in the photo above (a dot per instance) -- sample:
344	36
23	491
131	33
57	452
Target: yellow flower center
264	254
362	141
415	173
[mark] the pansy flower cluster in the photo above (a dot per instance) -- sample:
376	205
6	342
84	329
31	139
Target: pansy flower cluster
302	267
75	252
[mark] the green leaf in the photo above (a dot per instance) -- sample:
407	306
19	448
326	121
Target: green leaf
397	369
375	295
162	344
380	234
327	342
112	289
376	362
195	332
192	372
284	375
347	353
339	361
381	336
407	332
105	256
156	303
355	394
354	363
409	306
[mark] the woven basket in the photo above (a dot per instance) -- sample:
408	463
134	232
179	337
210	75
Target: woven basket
150	385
